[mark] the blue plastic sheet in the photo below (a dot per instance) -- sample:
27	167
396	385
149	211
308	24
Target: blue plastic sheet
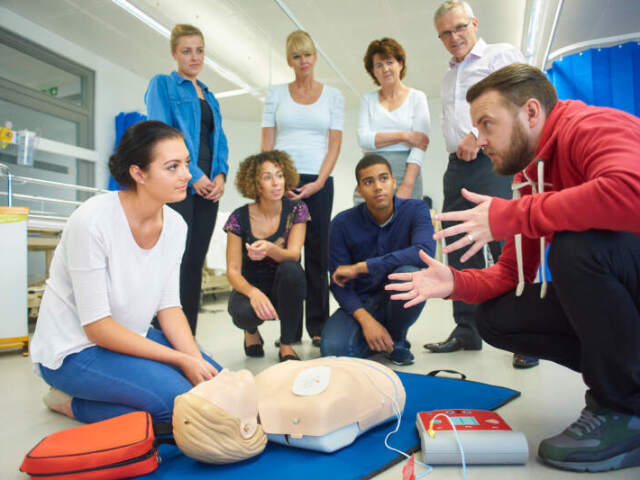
366	456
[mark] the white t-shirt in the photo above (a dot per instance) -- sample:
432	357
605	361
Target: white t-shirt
303	130
98	270
411	116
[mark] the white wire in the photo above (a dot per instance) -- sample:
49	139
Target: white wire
455	432
396	410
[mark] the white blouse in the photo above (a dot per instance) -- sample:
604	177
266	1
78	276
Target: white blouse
303	130
411	116
98	270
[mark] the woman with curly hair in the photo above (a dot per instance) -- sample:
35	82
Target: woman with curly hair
264	240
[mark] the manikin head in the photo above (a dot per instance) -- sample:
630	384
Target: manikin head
217	421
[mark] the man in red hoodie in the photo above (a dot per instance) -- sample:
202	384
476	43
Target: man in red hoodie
577	185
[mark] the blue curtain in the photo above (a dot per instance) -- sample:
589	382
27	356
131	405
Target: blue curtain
607	77
124	121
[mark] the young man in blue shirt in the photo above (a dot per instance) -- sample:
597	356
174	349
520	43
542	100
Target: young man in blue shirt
368	242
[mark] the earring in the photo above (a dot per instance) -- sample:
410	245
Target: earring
142	182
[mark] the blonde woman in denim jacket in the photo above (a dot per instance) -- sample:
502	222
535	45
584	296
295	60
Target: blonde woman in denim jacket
182	101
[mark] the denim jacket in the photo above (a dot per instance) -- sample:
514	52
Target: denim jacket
173	99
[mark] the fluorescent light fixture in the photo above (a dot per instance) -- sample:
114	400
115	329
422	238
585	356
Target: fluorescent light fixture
232	93
143	17
165	32
535	25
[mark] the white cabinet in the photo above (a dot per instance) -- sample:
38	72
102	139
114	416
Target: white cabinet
13	278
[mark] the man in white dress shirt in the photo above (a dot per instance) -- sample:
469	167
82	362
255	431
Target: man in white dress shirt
472	60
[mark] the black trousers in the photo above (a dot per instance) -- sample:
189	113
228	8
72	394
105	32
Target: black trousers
286	291
589	320
200	215
476	176
316	257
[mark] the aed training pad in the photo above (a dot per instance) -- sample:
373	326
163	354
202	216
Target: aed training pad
364	458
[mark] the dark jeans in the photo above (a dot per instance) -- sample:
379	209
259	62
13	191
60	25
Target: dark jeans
478	177
342	335
286	292
200	215
316	257
589	320
105	384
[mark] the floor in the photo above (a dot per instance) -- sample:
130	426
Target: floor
552	396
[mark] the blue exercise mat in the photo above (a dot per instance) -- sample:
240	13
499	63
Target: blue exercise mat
364	458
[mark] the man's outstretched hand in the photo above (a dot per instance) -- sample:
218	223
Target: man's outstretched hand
434	282
474	226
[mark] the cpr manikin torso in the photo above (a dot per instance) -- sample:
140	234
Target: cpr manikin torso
324	404
321	404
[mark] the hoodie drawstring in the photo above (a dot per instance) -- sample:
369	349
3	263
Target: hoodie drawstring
518	237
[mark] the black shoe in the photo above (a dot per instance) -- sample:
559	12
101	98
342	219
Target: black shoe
255	350
316	341
453	344
522	361
284	358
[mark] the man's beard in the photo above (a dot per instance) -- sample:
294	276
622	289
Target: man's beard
519	155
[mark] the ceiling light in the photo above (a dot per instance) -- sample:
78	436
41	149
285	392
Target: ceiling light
165	32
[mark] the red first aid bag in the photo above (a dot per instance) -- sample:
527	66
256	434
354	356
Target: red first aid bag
120	447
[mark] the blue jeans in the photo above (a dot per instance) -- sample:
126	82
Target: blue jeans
105	384
342	334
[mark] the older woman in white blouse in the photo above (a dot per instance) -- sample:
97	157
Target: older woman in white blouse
394	120
305	118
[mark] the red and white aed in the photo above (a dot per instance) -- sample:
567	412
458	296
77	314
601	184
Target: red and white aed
485	437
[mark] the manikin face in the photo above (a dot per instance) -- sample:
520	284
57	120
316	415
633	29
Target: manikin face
189	56
236	394
302	63
457	39
502	133
386	70
271	182
377	186
167	176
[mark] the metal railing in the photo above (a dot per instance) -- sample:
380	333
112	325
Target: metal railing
11	195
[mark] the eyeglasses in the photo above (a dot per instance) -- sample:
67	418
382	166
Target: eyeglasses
447	34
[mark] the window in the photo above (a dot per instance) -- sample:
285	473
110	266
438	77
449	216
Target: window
53	96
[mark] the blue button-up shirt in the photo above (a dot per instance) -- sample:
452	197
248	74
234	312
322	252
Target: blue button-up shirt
173	99
356	237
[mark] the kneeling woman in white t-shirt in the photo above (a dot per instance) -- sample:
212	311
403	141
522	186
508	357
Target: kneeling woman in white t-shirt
116	267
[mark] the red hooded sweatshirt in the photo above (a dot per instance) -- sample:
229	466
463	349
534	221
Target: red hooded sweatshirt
591	161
